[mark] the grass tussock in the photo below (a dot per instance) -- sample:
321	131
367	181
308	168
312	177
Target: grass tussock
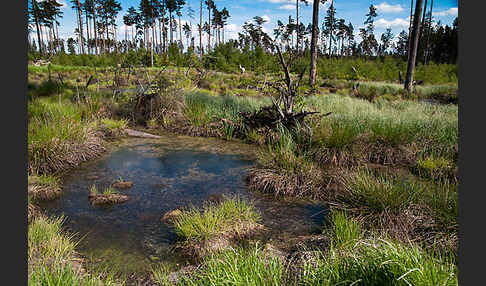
380	192
44	187
231	215
59	136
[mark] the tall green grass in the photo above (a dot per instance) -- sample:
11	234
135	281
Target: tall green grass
377	193
238	267
380	262
50	254
433	127
343	230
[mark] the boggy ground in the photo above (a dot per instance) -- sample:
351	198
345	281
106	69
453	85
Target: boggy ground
386	160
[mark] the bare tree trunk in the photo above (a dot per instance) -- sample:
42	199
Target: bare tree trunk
180	31
297	21
152	43
80	27
209	30
94	28
410	31
331	29
133	38
413	52
422	27
315	24
161	42
36	19
200	31
57	35
103	35
87	31
428	33
164	48
115	38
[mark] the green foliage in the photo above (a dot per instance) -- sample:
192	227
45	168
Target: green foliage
431	167
344	230
114	124
109	191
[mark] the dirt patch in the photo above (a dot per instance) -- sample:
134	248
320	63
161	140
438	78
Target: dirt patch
195	250
170	216
43	193
122	185
101	199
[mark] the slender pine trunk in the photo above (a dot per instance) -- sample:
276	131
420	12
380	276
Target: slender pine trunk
415	41
94	29
315	23
428	33
209	30
200	31
180	30
87	32
297	21
36	19
80	27
410	32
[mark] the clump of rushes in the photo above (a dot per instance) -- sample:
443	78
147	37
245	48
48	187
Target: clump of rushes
380	262
344	230
230	215
238	266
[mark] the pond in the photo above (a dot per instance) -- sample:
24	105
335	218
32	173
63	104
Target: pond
167	173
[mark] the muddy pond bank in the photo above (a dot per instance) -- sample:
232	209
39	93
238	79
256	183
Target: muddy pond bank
167	173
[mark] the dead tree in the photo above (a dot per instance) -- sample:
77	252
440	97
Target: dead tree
271	116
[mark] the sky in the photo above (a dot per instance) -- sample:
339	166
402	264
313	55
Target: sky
391	13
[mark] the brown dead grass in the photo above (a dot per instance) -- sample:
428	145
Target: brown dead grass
196	250
102	199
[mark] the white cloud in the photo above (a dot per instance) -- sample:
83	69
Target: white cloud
280	1
266	18
287	7
397	22
450	12
387	8
232	28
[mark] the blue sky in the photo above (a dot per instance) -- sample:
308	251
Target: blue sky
391	13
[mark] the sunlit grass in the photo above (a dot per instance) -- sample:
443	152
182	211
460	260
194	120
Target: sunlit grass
193	224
